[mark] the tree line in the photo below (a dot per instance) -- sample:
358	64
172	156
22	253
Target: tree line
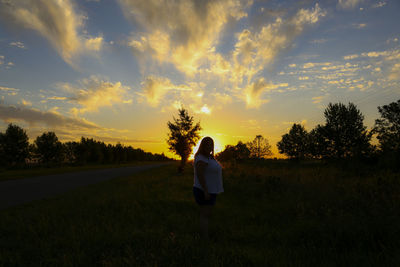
342	136
16	151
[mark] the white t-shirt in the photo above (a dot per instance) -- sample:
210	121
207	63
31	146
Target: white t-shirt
212	175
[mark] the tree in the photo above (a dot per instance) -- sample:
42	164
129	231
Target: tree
48	148
183	136
3	161
234	153
344	132
318	144
259	147
70	151
295	144
388	127
14	145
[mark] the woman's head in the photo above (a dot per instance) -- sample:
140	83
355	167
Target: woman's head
206	147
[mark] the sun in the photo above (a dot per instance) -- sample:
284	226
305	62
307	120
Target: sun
217	146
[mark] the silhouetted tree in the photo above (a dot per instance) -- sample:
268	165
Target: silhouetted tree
344	132
14	146
48	148
183	136
318	143
387	129
3	161
234	153
259	147
70	151
295	144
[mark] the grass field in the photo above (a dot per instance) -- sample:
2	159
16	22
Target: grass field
39	171
271	214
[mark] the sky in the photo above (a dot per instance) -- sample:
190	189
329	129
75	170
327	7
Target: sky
118	71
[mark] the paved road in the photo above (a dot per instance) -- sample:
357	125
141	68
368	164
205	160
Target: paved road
15	192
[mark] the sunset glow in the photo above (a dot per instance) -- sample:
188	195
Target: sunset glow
117	71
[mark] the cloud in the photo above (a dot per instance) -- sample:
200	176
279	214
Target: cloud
256	50
189	41
222	98
319	41
310	65
34	116
360	25
57	98
318	99
94	92
349	57
154	88
254	91
26	102
376	53
57	21
18	44
8	89
349	4
66	128
395	72
94	44
186	38
379	4
275	37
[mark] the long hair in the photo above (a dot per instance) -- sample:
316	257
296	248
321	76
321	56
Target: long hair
202	147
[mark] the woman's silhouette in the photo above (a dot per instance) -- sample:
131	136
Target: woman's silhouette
207	181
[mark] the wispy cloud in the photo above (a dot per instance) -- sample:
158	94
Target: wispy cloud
34	116
317	99
379	4
184	39
9	90
154	88
253	92
359	25
349	4
349	57
254	51
188	41
395	72
57	98
319	41
57	21
18	44
93	93
66	128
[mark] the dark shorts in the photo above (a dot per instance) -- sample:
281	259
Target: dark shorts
199	197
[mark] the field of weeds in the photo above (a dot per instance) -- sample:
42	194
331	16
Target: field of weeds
272	213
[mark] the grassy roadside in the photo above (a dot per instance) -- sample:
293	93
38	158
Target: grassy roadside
40	171
268	216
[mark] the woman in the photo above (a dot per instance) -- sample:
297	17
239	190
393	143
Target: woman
207	181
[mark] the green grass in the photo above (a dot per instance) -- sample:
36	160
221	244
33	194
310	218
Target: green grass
40	171
270	215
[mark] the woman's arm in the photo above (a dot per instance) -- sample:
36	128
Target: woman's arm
200	169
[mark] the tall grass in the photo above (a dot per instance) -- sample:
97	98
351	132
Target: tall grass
31	171
275	214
